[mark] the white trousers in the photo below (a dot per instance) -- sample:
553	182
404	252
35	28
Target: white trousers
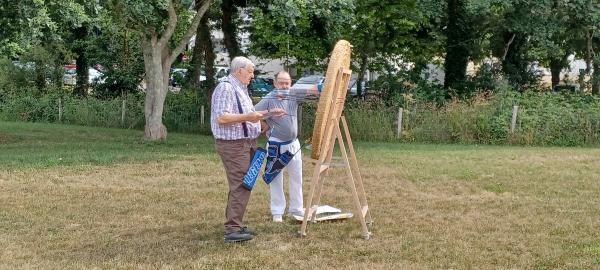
294	172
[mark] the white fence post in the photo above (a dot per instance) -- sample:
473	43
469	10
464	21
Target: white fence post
60	110
123	108
202	115
399	130
513	121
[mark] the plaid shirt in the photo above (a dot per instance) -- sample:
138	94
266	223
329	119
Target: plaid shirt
224	101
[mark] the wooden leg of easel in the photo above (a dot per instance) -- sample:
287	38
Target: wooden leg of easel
313	217
327	147
310	208
327	161
354	163
359	208
316	187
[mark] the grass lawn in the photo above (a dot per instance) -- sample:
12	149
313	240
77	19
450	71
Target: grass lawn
77	197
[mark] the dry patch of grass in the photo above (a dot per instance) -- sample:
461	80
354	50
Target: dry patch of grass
4	138
459	207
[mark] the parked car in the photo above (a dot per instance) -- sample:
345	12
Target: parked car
309	82
260	86
178	75
95	76
221	71
70	76
352	87
317	80
25	66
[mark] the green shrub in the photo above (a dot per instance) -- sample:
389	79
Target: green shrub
543	118
181	111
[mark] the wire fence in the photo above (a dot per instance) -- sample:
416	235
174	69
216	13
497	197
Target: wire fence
495	123
486	124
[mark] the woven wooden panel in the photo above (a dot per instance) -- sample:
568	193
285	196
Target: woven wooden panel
340	58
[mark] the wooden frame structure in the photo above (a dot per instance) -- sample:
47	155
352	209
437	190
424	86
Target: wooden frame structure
333	133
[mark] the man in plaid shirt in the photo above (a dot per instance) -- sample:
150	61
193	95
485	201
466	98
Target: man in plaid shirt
236	125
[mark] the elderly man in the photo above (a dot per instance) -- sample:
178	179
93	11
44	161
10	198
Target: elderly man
283	136
236	125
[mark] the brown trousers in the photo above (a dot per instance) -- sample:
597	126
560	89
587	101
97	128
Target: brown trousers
236	156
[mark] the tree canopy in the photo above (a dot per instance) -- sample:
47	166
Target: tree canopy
135	42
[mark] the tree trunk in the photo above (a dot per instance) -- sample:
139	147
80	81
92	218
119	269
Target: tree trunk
514	65
204	59
555	69
158	58
81	62
58	73
589	51
229	11
40	76
197	58
459	37
157	78
364	61
209	56
589	54
82	75
596	78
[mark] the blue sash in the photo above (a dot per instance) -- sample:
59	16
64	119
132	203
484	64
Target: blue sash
276	161
254	168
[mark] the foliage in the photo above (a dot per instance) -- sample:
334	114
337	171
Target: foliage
543	119
400	40
116	49
14	79
44	33
10	26
181	113
488	78
302	32
459	39
381	31
519	33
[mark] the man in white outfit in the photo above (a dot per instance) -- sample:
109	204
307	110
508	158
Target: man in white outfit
283	136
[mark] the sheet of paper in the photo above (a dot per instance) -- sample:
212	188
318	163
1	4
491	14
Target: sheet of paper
327	209
325	217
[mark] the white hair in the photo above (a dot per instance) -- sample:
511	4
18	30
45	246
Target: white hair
239	62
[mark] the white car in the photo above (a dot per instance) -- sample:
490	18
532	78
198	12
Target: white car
178	74
220	72
318	80
308	82
94	76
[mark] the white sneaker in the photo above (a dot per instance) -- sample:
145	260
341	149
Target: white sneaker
299	213
277	218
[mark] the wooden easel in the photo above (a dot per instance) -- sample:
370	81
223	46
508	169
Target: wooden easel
332	134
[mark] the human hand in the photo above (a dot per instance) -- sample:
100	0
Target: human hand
313	91
254	117
277	112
